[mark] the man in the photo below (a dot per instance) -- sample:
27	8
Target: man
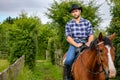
77	31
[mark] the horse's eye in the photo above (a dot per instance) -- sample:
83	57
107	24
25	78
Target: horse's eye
100	51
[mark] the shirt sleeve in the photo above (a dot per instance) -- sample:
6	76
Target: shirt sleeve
68	30
90	29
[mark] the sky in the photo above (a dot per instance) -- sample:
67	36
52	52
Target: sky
38	8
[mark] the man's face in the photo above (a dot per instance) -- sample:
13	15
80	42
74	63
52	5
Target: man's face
76	13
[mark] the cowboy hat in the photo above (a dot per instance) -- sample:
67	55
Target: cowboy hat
74	6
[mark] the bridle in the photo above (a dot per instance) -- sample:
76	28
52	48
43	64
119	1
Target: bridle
103	68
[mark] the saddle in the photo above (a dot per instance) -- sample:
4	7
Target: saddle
80	50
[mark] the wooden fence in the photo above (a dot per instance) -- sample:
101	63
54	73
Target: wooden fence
58	57
11	73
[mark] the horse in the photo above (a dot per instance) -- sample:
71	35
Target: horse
97	61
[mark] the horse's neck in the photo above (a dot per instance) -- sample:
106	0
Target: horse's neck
91	59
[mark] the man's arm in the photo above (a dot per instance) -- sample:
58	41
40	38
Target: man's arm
71	41
90	39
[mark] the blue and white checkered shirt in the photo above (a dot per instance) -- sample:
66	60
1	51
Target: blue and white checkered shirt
83	29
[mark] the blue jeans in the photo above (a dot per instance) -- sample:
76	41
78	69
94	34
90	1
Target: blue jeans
70	56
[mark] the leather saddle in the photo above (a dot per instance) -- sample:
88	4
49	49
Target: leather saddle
80	49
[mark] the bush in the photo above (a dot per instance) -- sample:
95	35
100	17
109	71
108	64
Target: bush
23	39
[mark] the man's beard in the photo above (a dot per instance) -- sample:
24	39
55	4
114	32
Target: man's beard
76	17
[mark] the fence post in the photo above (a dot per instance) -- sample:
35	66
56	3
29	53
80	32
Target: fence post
12	72
47	54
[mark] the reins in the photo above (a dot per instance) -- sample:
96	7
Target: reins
103	68
90	70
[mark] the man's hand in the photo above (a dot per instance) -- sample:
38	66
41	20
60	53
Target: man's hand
78	45
90	39
71	41
87	44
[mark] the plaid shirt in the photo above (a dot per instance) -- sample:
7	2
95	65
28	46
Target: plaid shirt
83	29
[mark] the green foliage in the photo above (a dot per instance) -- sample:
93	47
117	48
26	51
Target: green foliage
44	35
51	50
54	41
59	13
3	65
26	36
24	74
115	11
115	27
4	39
97	31
9	20
43	71
23	39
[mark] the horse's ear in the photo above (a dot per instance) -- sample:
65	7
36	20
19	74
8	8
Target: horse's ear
100	37
111	37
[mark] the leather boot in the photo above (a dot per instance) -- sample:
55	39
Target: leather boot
66	72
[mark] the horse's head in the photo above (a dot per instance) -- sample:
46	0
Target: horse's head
106	54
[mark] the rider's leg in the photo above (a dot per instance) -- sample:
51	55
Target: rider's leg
70	56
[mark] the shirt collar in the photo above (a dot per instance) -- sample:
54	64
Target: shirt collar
81	19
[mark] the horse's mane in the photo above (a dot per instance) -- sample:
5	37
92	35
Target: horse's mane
95	42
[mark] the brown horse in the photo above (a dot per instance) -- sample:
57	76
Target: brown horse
97	61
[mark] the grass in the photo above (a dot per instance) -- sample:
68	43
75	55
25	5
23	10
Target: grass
43	71
3	65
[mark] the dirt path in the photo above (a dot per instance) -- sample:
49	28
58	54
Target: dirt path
40	60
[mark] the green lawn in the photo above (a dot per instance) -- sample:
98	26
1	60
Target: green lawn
43	71
3	65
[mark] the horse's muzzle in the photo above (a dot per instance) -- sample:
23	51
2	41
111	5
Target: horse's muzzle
112	74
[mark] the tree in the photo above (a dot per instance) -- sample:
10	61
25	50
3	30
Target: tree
23	39
115	27
26	36
4	38
4	48
59	13
53	42
44	34
9	20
